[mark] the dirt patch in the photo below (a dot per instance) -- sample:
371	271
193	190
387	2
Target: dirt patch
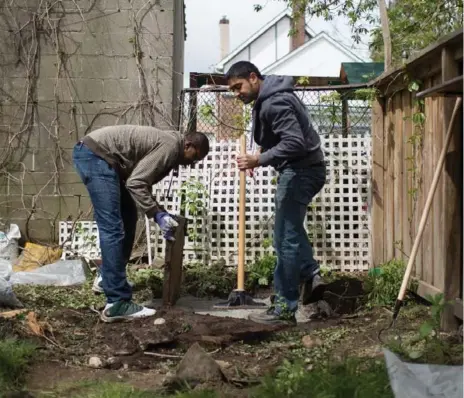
345	295
81	334
54	376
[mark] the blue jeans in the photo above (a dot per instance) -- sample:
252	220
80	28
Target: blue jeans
116	216
295	261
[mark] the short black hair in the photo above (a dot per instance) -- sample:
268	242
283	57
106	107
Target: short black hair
199	141
243	70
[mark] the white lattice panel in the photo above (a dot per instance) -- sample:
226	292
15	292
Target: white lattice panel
338	220
80	238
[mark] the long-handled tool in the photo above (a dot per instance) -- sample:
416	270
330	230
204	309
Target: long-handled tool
425	213
239	298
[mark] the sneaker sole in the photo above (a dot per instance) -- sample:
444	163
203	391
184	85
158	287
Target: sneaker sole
276	322
112	319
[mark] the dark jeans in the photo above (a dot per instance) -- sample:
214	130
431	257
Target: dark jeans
116	216
295	261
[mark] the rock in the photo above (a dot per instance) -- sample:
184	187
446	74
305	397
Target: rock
198	367
95	362
150	338
159	321
311	342
113	363
223	364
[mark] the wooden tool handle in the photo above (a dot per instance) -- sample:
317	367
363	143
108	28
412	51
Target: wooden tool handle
241	222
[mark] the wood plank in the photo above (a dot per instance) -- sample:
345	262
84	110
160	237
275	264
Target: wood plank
450	87
388	187
437	205
452	199
408	164
428	169
425	289
173	265
378	177
398	144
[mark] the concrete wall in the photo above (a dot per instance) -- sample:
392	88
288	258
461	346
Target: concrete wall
66	70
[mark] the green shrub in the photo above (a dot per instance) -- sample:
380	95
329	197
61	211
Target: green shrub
383	283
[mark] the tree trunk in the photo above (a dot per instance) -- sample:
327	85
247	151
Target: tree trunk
387	47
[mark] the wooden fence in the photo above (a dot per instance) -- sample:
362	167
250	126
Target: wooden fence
407	137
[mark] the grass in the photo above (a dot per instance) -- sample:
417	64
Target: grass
15	357
354	378
95	389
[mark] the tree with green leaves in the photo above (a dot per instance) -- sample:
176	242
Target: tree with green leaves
415	24
405	26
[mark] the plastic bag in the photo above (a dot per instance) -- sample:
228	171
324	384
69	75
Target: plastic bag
5	269
35	256
9	243
61	273
7	296
411	380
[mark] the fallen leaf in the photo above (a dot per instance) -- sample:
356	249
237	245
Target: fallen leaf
33	324
12	314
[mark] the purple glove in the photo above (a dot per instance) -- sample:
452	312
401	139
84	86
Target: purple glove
167	224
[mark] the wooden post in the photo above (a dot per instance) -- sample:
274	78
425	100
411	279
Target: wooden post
241	223
173	264
452	206
378	178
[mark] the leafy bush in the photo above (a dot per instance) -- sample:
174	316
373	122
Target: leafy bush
261	272
383	283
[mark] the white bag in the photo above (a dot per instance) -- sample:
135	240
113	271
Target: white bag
7	296
9	243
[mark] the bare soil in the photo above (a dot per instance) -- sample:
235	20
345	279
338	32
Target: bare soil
142	354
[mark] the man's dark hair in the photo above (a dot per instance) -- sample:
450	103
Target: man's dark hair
199	141
243	70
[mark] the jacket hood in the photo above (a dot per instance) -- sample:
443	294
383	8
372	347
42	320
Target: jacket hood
274	84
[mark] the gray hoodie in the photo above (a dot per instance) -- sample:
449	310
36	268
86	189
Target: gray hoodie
282	128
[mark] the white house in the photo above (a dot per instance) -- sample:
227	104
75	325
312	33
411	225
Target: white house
274	51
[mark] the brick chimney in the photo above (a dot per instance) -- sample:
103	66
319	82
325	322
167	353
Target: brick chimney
298	26
224	37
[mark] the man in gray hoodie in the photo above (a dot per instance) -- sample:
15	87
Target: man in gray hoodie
289	143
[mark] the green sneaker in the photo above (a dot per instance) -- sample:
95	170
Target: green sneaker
125	311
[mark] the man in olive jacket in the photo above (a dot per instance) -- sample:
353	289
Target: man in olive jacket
119	165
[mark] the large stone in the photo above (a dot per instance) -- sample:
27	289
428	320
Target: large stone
198	367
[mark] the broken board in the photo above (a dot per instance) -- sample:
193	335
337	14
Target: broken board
173	264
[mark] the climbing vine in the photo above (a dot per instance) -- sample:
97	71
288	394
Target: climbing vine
415	140
41	105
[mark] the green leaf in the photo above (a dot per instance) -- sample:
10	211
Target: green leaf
425	330
415	354
263	281
413	86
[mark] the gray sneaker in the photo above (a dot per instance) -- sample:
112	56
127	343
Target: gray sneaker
125	311
270	317
313	290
